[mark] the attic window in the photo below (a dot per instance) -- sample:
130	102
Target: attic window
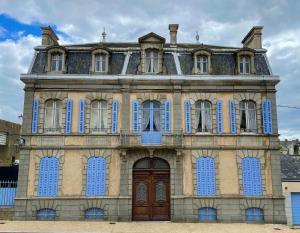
202	64
100	62
56	62
244	65
151	63
3	138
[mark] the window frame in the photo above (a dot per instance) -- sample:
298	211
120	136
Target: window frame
49	215
247	110
200	61
245	63
208	217
56	50
202	110
254	214
100	52
54	117
94	215
152	61
202	52
152	110
245	52
99	109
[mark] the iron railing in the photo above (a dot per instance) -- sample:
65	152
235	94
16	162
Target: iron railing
7	193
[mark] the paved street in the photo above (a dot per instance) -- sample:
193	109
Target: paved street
140	227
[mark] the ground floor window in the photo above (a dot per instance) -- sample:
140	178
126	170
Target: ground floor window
207	214
254	215
94	213
45	214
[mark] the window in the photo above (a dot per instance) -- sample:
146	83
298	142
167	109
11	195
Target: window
207	214
48	177
254	215
247	116
94	214
46	214
251	174
151	116
101	62
244	65
151	61
203	121
53	116
202	64
56	62
95	176
205	176
99	116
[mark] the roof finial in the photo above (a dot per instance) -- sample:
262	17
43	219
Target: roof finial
103	35
197	37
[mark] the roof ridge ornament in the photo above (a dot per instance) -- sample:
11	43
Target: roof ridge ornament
197	37
103	35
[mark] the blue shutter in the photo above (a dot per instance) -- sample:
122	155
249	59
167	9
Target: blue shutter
187	107
96	175
48	177
232	116
167	116
69	111
207	214
114	123
135	116
205	176
94	213
35	115
251	172
267	116
220	116
81	116
46	214
254	215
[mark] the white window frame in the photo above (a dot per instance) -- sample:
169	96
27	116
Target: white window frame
247	113
99	109
54	121
202	111
244	62
200	61
101	58
56	58
150	55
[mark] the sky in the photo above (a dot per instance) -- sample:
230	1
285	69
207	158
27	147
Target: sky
218	22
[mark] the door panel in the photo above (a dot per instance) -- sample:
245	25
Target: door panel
295	208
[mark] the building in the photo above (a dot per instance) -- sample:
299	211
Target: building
290	147
9	136
290	168
150	130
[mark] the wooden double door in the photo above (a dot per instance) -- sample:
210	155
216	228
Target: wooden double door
151	190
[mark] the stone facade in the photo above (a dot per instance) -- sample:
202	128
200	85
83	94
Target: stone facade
175	82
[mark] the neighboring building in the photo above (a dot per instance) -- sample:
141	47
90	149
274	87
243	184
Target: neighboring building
150	130
9	138
290	147
290	168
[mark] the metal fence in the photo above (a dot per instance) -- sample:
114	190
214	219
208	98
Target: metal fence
7	193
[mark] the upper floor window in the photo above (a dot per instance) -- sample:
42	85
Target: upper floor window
56	62
53	116
202	64
101	62
244	65
151	62
203	121
247	116
151	116
99	116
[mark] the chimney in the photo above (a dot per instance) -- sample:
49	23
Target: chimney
253	39
48	36
173	33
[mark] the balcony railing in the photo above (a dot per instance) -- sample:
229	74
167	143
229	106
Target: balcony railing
151	138
7	193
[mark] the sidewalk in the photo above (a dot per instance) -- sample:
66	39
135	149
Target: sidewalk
140	227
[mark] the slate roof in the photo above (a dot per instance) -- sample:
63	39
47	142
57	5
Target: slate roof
290	168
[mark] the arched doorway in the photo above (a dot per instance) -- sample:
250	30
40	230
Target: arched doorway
151	190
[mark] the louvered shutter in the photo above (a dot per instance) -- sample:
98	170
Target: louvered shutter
81	116
48	177
35	115
69	110
167	116
135	116
187	107
114	123
252	181
96	175
205	175
267	116
232	116
220	116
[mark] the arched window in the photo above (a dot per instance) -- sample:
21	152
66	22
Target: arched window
203	121
151	116
53	116
101	62
94	214
48	177
207	214
205	176
254	215
151	62
244	65
247	116
251	173
95	176
56	61
46	214
99	116
202	64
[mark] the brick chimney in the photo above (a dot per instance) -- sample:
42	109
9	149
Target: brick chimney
253	39
173	33
48	36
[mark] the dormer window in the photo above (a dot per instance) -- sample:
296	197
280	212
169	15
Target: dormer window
151	65
244	65
202	64
100	63
56	62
